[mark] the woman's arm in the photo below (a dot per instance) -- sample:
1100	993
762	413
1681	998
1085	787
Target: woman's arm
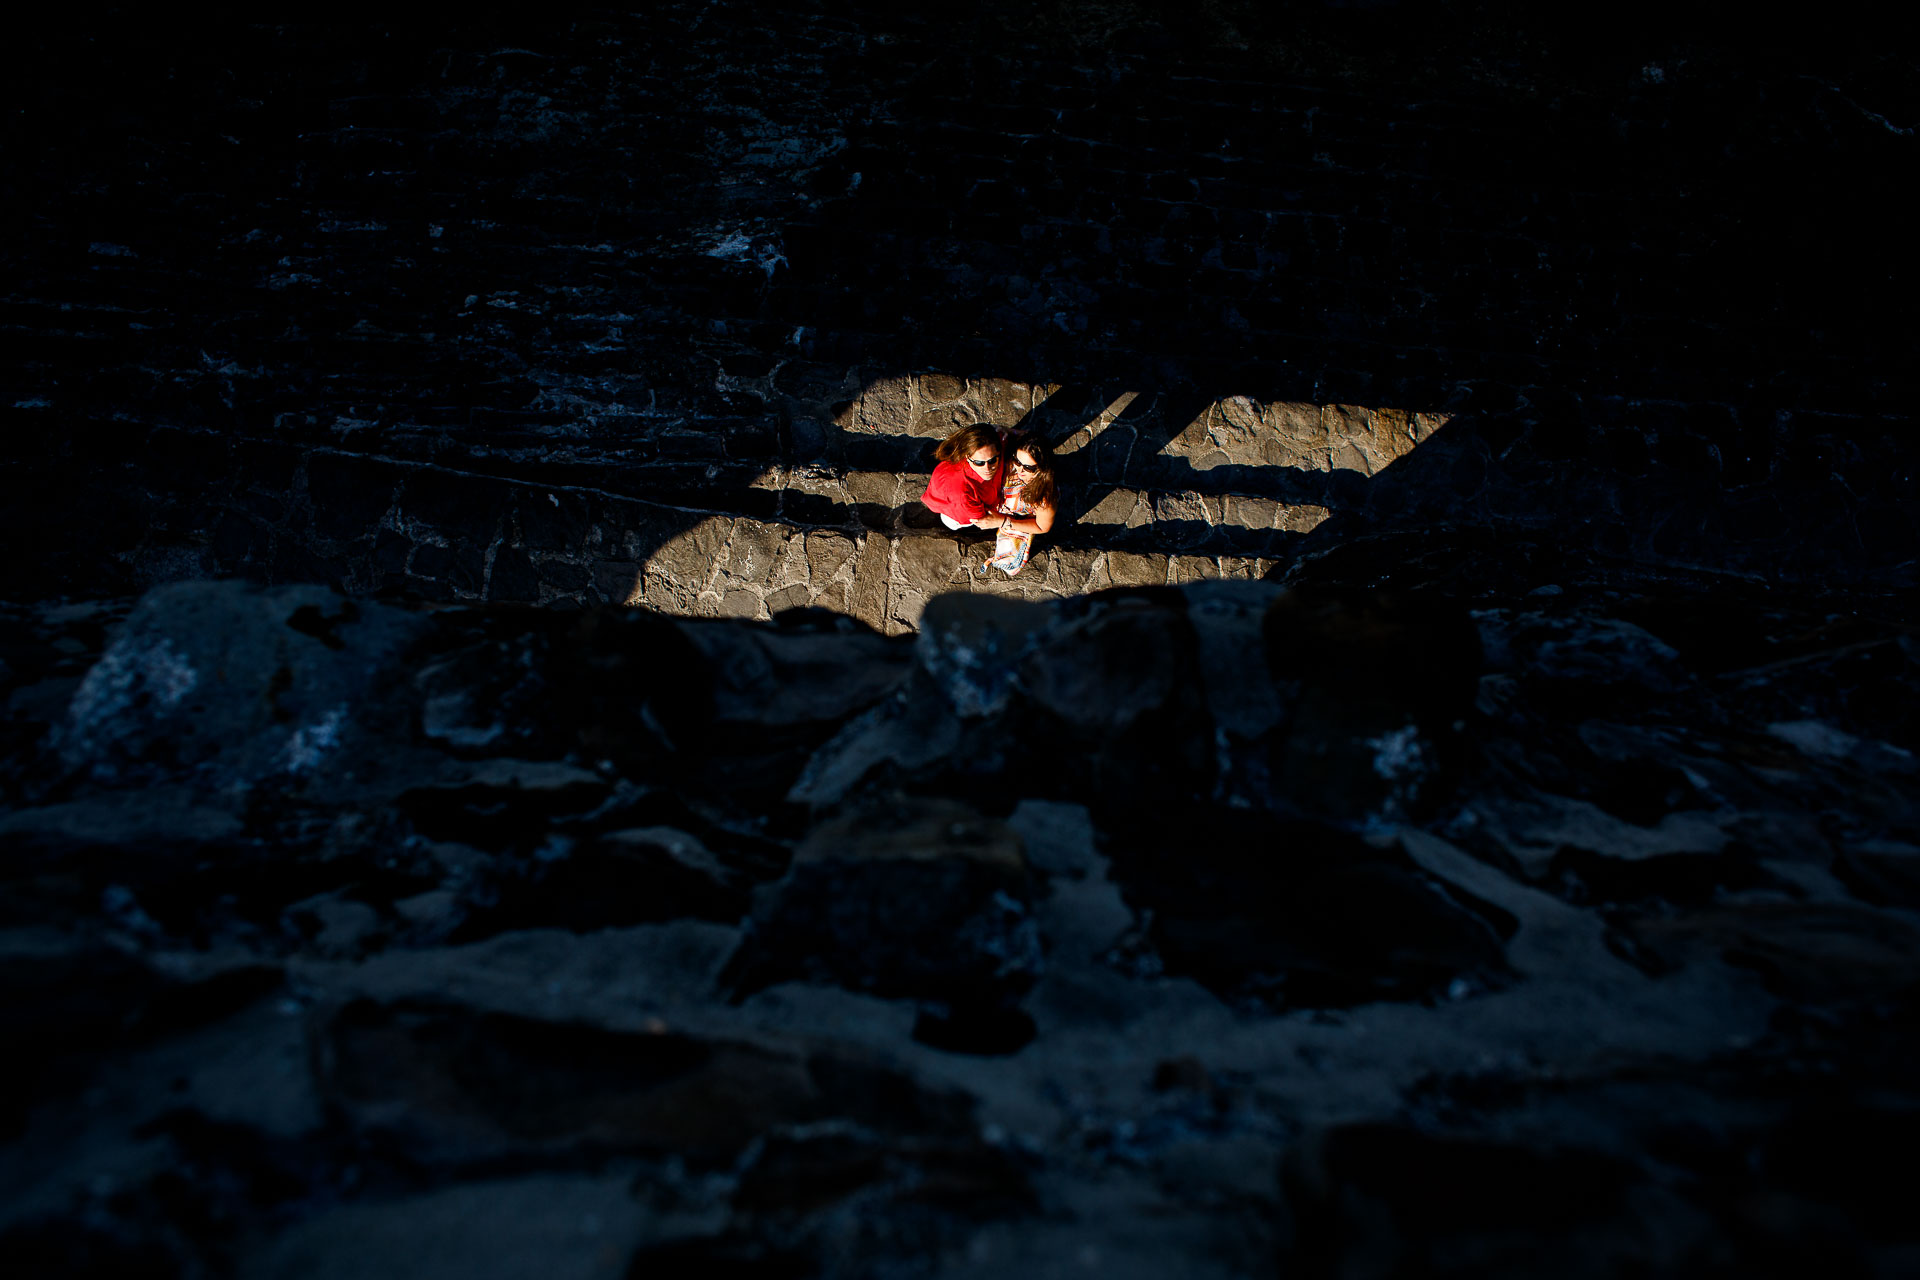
1039	522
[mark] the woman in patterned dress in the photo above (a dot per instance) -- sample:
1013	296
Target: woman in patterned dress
1028	501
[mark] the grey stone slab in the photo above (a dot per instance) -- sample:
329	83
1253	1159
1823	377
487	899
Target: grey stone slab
1132	569
928	563
681	569
1000	402
827	555
884	488
884	408
753	553
1184	569
867	594
789	597
738	602
940	388
1116	507
940	421
1069	570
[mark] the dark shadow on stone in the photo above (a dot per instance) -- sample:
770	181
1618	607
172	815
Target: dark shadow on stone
1296	916
1077	243
982	1030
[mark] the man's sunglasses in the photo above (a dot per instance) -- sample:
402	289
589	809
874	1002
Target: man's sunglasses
984	464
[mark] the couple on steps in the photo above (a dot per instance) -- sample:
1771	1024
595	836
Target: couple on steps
978	485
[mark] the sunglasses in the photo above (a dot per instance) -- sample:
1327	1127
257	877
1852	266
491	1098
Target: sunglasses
1025	466
984	464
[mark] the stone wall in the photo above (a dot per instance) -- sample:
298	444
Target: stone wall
500	310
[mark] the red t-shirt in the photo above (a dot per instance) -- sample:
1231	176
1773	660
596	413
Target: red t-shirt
957	490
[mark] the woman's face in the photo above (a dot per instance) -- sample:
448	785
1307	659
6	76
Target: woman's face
1024	463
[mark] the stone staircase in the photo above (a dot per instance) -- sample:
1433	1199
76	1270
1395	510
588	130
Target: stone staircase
668	307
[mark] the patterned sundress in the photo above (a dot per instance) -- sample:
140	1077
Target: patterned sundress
1010	549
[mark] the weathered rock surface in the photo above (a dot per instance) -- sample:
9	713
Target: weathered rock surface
1442	801
825	951
925	899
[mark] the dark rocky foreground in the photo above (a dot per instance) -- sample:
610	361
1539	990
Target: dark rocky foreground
1161	931
494	780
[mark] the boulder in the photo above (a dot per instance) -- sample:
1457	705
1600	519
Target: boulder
451	1085
1581	662
1276	915
230	685
1384	684
1401	1202
501	802
635	875
772	679
910	897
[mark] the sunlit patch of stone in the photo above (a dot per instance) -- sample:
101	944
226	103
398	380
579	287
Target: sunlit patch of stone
727	566
933	405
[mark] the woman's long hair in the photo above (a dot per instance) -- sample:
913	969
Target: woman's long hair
966	442
1040	490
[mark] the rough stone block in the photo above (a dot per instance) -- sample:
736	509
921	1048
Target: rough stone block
1302	424
998	401
391	551
1105	456
884	408
464	508
790	597
790	566
512	577
941	388
1246	512
883	488
927	564
618	581
904	607
553	521
827	554
941	421
1302	517
680	570
1131	569
1191	508
753	552
1069	570
738	602
926	898
867	596
1115	507
461	567
564	574
1192	569
350	494
837	597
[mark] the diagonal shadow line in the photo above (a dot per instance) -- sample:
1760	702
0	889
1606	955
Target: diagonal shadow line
1125	451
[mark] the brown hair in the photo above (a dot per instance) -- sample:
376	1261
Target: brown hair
1040	489
966	442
